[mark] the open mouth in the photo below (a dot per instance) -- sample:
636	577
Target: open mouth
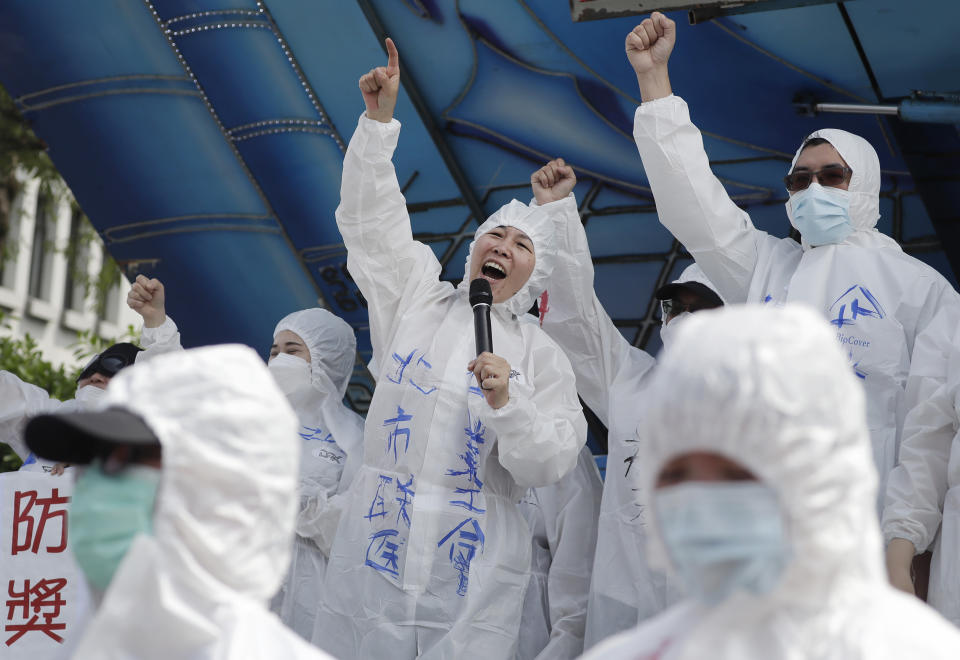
493	271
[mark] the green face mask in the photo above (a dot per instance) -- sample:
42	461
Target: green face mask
106	513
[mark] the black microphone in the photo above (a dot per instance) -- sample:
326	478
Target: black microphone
480	299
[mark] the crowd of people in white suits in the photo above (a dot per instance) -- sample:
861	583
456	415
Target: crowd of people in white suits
770	476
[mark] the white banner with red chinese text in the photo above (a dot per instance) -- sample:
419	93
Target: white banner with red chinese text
44	598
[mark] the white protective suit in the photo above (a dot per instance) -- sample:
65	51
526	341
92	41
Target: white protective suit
198	587
19	400
563	520
165	338
611	378
432	557
877	297
923	493
331	452
761	387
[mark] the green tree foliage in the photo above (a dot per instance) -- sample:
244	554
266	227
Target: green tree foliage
19	149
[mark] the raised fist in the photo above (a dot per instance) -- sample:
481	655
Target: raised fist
650	43
147	299
553	181
381	85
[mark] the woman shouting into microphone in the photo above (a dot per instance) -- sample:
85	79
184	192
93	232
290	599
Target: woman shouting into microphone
432	556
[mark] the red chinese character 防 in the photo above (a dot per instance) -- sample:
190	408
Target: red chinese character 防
33	528
45	600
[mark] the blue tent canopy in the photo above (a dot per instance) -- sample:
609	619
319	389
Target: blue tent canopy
204	138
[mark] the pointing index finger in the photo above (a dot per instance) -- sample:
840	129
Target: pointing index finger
393	57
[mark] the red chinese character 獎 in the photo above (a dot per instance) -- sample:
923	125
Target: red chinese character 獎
45	600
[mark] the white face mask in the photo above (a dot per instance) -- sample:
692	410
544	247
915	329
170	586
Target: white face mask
723	536
89	396
668	332
820	214
290	372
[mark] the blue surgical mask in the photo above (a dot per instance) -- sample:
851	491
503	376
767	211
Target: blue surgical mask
723	536
821	215
106	513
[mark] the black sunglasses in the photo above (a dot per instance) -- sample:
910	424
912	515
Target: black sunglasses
107	365
831	176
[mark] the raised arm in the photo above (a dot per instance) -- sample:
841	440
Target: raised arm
384	260
159	333
573	316
691	202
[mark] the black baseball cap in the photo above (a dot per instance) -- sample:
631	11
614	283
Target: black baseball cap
112	360
80	437
702	291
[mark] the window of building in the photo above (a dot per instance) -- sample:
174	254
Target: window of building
111	304
78	256
41	256
10	244
108	290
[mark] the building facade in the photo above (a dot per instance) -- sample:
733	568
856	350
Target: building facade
52	262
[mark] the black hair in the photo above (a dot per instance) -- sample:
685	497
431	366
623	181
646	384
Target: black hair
813	142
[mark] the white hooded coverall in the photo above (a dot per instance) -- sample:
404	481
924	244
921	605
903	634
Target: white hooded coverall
563	521
331	452
923	493
432	556
198	586
611	378
761	386
877	298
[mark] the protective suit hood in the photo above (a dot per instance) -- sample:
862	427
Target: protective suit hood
227	498
771	389
332	345
864	187
541	224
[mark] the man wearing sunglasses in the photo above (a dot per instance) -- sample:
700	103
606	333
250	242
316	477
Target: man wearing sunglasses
20	400
877	298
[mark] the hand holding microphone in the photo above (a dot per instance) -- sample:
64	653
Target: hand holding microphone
492	371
